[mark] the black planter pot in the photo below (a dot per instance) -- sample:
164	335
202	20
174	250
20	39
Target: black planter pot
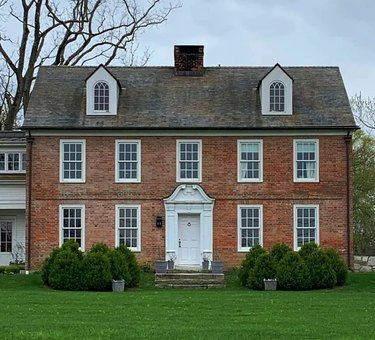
205	264
161	267
217	267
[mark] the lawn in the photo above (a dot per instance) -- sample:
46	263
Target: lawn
30	311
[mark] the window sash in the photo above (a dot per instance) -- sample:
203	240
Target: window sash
128	227
128	161
12	162
101	97
277	97
306	223
72	224
250	222
306	156
189	158
6	236
72	166
250	160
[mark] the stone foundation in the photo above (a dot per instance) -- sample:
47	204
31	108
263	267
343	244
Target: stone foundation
364	264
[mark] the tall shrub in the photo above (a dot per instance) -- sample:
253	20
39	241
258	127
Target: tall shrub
249	262
264	268
338	265
134	270
279	251
97	271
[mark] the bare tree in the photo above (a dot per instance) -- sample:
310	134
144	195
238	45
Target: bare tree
364	111
67	32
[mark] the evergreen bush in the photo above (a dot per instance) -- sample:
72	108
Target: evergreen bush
134	270
66	271
119	266
279	251
307	249
249	262
97	271
264	268
292	273
338	265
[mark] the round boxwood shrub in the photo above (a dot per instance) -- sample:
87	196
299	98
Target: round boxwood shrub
279	251
264	268
338	265
134	270
70	246
97	271
292	273
119	266
320	270
248	263
307	249
100	248
65	272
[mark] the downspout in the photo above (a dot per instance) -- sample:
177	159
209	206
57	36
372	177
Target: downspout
29	180
348	139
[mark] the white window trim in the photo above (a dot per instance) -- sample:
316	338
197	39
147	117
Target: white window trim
75	180
139	164
188	180
305	206
139	238
7	152
14	230
239	207
274	112
101	112
83	224
295	179
249	180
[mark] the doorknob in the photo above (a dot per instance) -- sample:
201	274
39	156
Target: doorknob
179	243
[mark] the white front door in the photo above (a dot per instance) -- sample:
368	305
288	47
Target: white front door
189	239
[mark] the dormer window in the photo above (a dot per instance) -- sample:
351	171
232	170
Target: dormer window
102	92
101	96
276	92
277	97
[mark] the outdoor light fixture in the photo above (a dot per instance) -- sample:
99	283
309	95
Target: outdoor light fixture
159	221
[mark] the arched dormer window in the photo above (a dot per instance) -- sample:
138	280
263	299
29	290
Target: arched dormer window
101	96
277	97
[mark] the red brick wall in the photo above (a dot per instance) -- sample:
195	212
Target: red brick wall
277	193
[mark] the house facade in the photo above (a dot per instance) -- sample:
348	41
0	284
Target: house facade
12	196
189	162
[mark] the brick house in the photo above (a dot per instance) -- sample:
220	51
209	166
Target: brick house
189	161
12	196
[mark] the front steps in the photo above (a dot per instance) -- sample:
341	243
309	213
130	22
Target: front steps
189	279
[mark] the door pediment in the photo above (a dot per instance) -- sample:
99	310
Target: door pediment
189	193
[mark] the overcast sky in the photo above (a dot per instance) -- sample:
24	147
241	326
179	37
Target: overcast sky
264	32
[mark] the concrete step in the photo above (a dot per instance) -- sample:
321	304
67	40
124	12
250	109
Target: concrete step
189	280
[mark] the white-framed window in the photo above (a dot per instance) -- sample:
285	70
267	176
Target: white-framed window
128	161
73	161
250	226
189	160
250	160
72	224
306	160
101	96
306	224
12	162
6	234
128	226
277	97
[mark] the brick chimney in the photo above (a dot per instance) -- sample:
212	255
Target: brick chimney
188	60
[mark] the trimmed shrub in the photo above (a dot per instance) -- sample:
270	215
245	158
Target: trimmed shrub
100	248
307	249
292	273
65	272
134	271
46	269
264	268
248	263
338	265
119	266
320	270
97	271
279	251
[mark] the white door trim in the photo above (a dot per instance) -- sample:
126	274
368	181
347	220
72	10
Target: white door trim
188	199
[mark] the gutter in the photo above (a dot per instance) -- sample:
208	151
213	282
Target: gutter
348	140
30	141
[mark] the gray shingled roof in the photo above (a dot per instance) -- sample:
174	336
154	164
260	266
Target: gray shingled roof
12	137
153	97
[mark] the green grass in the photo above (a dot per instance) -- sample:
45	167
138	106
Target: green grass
30	311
